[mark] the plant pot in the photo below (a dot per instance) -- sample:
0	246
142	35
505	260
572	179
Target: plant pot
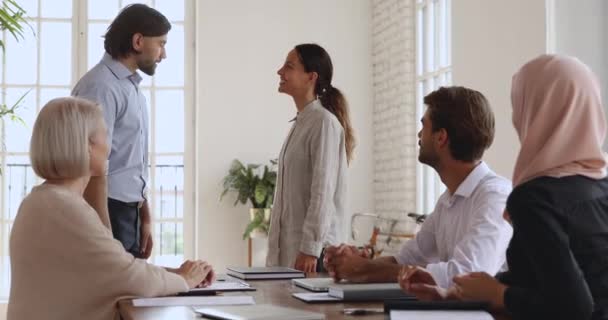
257	233
255	212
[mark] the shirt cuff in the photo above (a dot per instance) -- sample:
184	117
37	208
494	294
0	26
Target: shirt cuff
400	260
311	248
176	283
440	274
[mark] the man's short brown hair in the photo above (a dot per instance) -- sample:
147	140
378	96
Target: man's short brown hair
467	118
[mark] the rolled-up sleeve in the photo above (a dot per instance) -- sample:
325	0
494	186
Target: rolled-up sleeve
423	248
327	153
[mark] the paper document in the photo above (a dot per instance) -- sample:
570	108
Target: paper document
193	301
440	315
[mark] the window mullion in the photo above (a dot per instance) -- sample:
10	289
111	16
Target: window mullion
79	39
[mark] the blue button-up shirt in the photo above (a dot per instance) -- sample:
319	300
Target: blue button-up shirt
116	89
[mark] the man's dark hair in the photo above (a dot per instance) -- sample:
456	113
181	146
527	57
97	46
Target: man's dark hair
467	118
135	18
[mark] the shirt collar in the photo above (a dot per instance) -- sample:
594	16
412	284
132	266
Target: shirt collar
119	70
472	180
306	110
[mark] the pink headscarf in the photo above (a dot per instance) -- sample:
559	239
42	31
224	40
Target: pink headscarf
558	115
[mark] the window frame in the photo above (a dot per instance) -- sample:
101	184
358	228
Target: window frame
79	41
433	42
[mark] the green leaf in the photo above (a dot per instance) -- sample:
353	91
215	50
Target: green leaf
272	178
11	112
243	197
250	183
270	200
260	193
12	20
236	165
253	166
257	222
224	193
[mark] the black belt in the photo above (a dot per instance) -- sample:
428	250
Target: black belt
127	204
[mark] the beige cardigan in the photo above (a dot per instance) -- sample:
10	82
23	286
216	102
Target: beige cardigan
65	263
309	203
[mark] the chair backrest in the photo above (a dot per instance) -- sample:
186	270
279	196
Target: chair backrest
382	234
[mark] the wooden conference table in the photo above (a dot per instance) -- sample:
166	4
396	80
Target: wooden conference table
277	292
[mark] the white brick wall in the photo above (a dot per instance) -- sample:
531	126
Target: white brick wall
394	122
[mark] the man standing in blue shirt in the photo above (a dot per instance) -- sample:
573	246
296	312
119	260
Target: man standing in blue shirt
134	41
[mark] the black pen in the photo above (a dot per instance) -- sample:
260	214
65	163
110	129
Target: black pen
361	311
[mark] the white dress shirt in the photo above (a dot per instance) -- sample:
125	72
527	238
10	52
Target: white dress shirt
466	232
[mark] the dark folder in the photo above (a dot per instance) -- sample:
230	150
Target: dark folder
405	304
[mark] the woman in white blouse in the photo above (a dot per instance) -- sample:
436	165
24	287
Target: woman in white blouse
308	209
65	264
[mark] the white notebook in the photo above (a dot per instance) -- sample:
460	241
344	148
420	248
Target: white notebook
315	297
440	315
193	301
247	273
258	312
367	291
314	284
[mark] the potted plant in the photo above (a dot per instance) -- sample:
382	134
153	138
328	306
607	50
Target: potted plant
255	184
12	19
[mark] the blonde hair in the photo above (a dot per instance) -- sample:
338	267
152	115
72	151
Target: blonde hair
59	148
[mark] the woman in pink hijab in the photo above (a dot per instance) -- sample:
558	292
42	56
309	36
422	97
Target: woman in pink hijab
558	256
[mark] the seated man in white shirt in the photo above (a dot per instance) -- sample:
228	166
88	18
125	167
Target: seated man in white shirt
466	232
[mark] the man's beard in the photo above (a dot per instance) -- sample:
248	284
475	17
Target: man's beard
147	68
428	158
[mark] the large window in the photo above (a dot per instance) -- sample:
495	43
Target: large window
66	40
433	70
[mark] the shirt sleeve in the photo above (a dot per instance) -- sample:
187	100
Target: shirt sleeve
561	291
107	98
327	155
421	250
483	248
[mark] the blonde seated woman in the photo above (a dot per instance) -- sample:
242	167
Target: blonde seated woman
65	263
